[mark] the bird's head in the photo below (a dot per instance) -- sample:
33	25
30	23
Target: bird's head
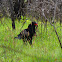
34	24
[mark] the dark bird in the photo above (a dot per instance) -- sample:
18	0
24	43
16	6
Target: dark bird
27	34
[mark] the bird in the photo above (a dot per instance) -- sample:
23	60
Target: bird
27	34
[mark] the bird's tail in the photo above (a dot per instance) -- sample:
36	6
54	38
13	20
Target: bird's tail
18	37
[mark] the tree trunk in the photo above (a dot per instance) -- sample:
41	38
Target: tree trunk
13	24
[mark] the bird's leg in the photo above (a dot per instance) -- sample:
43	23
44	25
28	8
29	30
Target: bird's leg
30	41
25	41
35	34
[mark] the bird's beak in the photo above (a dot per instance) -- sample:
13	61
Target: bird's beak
35	24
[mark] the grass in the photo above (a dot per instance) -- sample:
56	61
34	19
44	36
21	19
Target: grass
45	48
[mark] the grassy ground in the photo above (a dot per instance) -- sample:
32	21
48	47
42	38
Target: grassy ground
45	48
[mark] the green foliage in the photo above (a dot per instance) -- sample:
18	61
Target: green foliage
45	48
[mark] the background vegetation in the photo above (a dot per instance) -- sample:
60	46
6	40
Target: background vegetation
16	15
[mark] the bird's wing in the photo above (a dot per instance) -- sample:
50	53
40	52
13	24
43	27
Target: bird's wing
25	32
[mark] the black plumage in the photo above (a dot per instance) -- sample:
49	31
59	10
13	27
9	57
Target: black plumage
28	33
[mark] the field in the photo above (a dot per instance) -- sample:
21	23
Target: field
45	47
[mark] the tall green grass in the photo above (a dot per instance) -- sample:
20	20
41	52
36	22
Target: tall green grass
45	47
